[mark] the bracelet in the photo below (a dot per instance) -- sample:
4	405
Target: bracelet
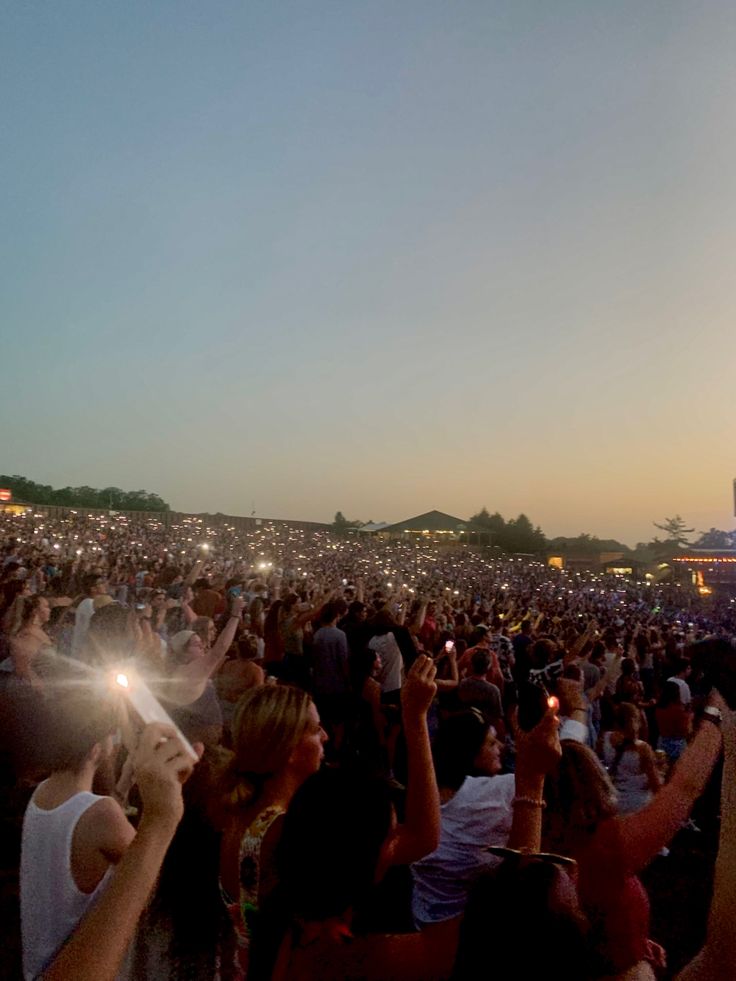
529	801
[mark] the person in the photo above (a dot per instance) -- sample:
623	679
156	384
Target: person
368	731
482	642
200	720
628	687
340	837
95	584
383	642
207	602
354	626
27	636
476	812
476	692
331	674
717	959
679	677
582	822
71	837
293	617
539	928
239	674
521	644
97	945
629	760
674	722
278	741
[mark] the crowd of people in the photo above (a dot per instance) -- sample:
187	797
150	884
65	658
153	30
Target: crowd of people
366	758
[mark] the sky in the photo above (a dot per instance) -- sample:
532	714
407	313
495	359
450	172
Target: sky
295	257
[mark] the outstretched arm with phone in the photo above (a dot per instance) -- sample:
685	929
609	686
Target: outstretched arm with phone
718	958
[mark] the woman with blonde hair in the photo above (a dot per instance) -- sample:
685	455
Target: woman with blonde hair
25	623
277	743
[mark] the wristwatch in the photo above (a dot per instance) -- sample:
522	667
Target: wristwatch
713	714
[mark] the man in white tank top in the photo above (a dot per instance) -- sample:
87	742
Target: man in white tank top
71	837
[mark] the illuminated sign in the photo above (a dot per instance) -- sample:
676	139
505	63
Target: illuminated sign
5	494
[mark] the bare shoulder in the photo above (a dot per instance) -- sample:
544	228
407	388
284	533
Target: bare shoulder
100	839
105	828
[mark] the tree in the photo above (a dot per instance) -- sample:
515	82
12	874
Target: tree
676	530
341	525
516	535
716	539
82	497
494	523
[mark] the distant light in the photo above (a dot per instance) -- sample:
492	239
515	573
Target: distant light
122	680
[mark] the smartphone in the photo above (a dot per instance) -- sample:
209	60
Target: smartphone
448	646
145	704
235	591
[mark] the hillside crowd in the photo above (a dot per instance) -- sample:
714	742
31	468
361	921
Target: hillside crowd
369	758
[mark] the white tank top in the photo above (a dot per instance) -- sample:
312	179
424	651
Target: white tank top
631	782
51	904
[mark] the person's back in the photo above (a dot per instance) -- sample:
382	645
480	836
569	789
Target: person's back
330	661
626	765
476	691
51	897
71	836
388	650
207	601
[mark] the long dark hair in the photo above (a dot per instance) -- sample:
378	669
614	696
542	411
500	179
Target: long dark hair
331	843
534	919
458	742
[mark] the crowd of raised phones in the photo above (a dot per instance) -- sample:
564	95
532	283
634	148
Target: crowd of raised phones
413	761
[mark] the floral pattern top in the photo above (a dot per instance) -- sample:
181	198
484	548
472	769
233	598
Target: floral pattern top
243	911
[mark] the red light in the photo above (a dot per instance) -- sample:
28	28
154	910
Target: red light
553	702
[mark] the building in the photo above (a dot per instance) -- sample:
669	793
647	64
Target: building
439	527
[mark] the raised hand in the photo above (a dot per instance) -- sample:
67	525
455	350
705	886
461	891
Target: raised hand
237	605
419	688
161	765
538	751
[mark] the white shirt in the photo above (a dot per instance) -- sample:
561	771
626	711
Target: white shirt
82	617
685	695
51	904
477	816
391	662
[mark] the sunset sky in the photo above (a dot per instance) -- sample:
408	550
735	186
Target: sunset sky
373	256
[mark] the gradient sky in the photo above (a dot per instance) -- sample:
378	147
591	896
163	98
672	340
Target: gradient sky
377	256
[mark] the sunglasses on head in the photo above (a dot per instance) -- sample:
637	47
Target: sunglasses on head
562	860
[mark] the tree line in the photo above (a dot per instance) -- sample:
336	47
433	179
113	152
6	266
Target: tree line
111	498
521	536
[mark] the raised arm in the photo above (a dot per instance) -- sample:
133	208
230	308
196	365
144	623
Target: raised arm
194	572
712	962
188	681
606	679
186	599
537	753
420	833
443	684
647	831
